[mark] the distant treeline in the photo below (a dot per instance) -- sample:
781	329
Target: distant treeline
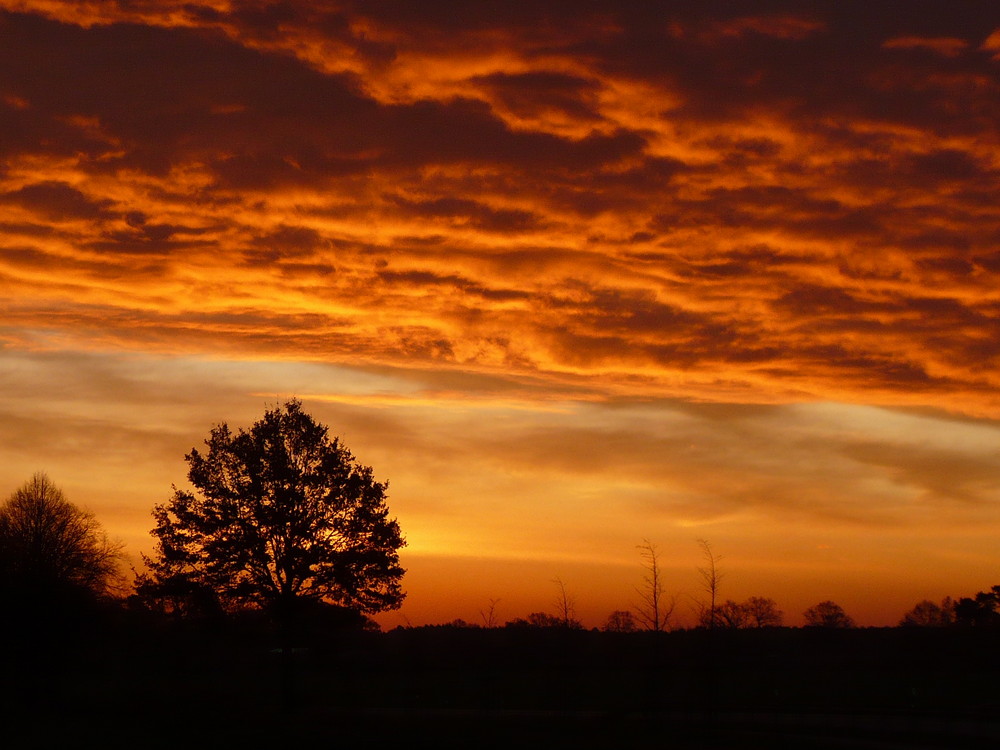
58	566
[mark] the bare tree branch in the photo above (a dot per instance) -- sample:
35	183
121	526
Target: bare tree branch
655	608
711	577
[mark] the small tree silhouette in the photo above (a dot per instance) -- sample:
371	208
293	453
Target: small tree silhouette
827	614
49	548
763	612
711	577
755	612
979	611
620	621
565	606
489	615
730	614
928	614
655	608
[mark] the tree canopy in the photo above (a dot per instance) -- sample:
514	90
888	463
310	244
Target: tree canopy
827	614
51	548
283	515
755	612
928	614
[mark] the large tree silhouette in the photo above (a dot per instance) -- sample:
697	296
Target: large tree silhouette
283	516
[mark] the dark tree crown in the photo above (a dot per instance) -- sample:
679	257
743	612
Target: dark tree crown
282	514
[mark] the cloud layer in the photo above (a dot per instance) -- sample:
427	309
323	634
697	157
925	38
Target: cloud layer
768	206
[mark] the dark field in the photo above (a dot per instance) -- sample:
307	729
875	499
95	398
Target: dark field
122	685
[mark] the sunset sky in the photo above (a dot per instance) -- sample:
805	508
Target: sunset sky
569	275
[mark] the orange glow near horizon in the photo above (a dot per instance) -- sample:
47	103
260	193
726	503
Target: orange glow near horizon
569	279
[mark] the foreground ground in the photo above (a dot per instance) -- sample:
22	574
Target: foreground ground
161	687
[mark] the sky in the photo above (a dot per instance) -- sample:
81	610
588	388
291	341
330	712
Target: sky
570	276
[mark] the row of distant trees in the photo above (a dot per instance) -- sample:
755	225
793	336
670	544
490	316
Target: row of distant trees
655	610
980	611
284	520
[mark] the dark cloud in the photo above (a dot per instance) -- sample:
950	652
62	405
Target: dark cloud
156	241
465	211
949	166
811	300
468	130
27	229
257	119
537	92
57	201
173	95
290	240
433	282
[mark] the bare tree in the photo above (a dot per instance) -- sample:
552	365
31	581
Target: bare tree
565	606
655	608
49	546
489	615
711	577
